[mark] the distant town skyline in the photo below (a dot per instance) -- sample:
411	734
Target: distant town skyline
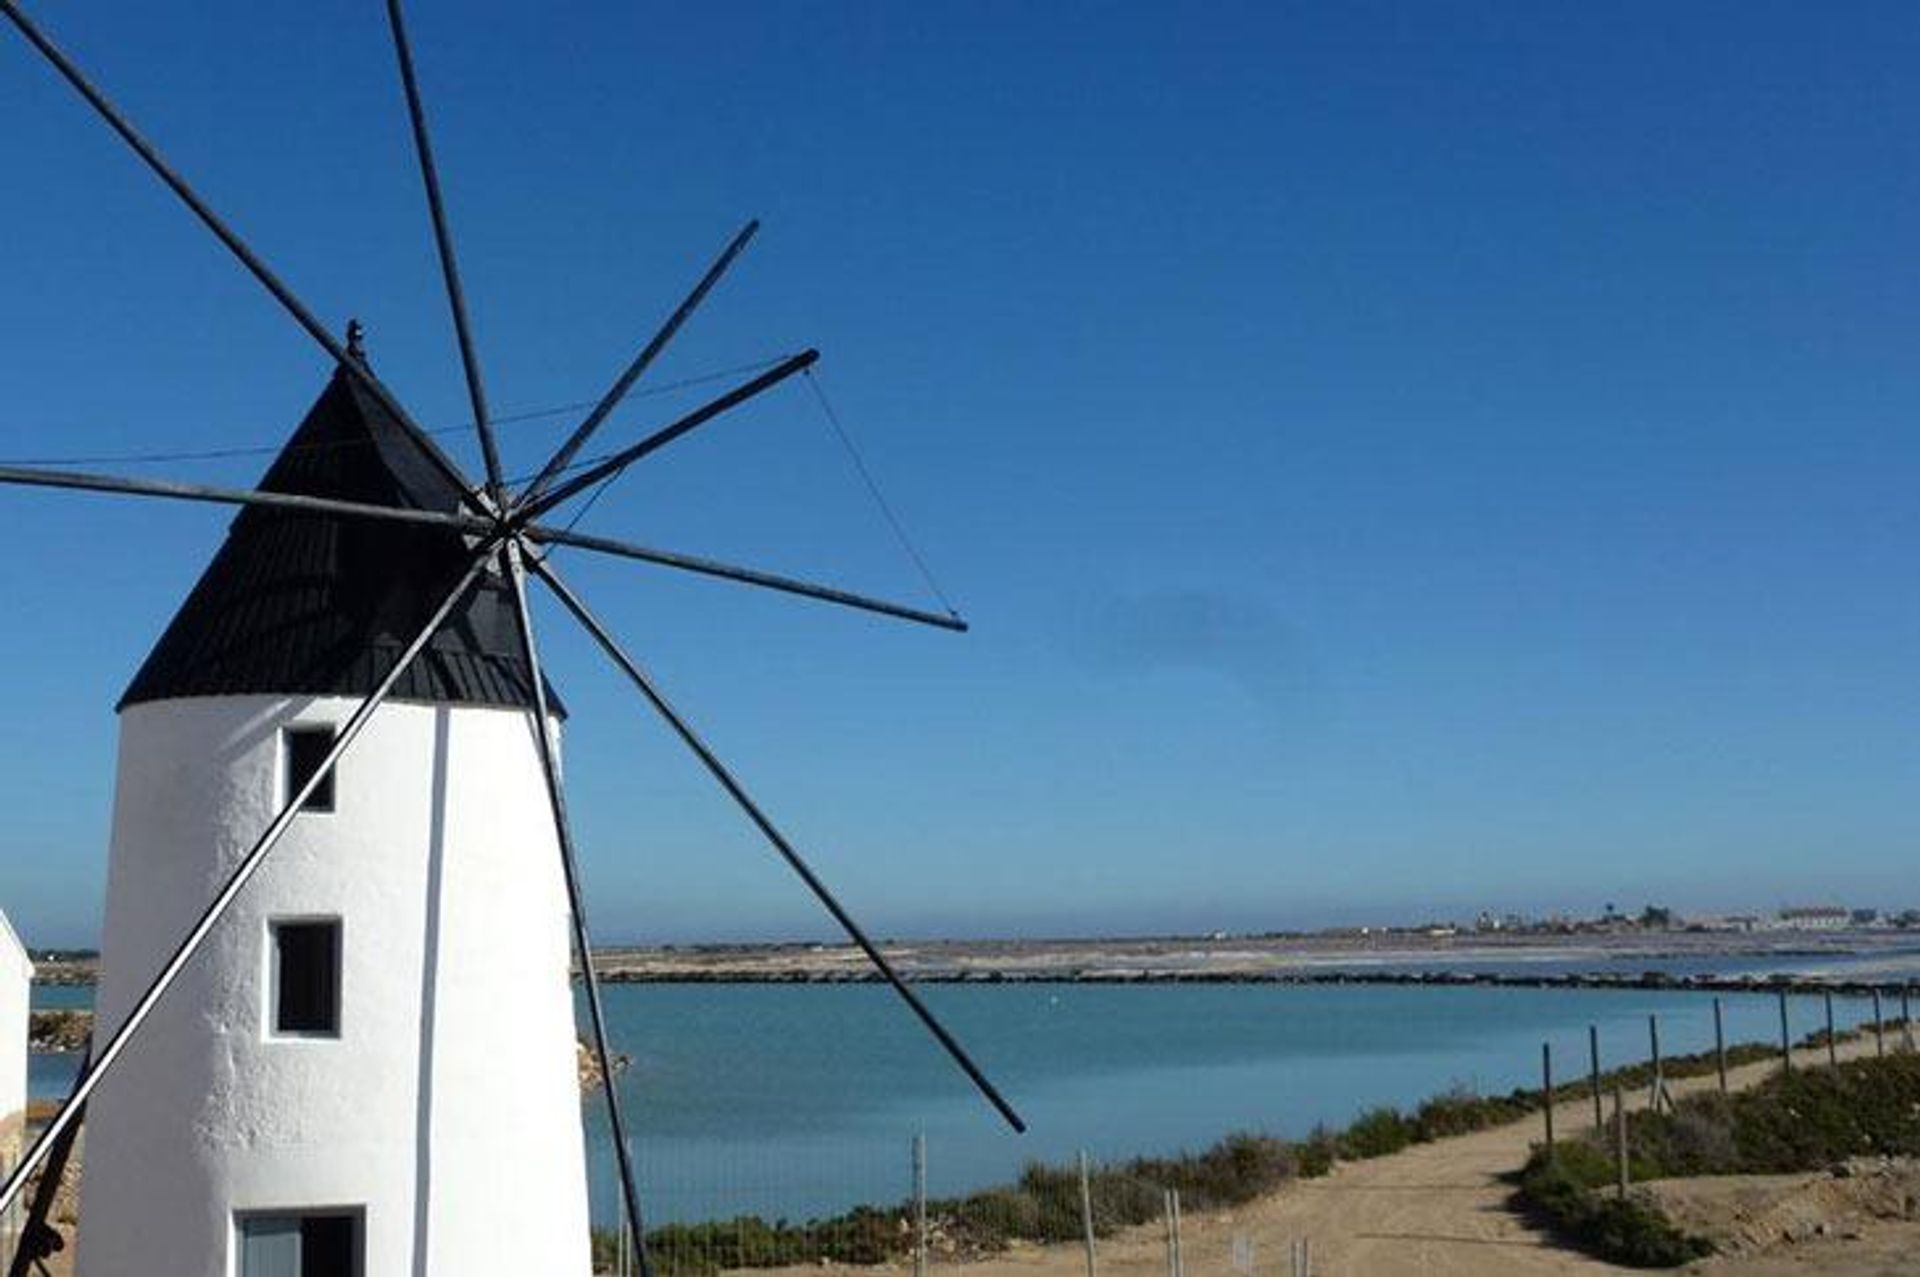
1390	457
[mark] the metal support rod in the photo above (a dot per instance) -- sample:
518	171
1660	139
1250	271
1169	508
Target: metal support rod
443	242
718	770
613	465
576	901
1720	1045
1658	1083
1620	1139
648	353
920	1205
1546	1090
1086	1209
1593	1072
1833	1043
238	247
1786	1041
1879	1028
122	1037
747	576
173	489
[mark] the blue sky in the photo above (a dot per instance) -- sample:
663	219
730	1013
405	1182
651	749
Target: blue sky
1398	459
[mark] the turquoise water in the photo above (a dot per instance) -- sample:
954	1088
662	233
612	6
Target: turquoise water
798	1100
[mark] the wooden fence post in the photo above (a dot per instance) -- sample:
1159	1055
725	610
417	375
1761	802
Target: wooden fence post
1546	1090
1879	1028
920	1205
1620	1137
1593	1068
1086	1208
1720	1045
1833	1043
1166	1209
1659	1082
1786	1040
1179	1258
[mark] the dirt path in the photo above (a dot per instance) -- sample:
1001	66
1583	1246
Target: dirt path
1437	1209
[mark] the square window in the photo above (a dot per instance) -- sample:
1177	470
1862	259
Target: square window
306	978
306	749
315	1244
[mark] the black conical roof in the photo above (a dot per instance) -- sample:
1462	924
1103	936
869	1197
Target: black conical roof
310	604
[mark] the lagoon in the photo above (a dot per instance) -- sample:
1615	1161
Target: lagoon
793	1101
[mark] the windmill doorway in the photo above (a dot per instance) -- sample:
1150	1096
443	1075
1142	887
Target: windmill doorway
318	1244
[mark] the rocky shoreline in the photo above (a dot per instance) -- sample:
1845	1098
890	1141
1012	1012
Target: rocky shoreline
1594	980
1843	962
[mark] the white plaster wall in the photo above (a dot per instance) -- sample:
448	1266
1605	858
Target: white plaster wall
448	1109
16	991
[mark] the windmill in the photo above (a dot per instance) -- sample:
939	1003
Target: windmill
439	623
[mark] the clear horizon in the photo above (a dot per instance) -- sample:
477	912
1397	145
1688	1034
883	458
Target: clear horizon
1388	457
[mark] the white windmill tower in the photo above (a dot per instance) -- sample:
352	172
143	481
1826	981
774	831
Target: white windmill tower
375	1050
343	878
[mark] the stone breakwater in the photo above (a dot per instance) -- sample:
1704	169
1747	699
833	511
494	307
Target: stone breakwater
1438	979
1882	957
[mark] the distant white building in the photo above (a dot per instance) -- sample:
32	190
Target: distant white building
16	988
1814	918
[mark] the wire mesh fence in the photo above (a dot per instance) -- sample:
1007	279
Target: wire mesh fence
743	1215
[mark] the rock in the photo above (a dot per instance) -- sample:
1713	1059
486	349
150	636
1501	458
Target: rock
589	1065
67	1030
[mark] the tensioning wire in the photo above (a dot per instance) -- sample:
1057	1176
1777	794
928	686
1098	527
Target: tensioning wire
218	454
879	498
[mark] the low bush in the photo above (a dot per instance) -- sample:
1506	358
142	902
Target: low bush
1318	1152
1802	1121
1562	1185
1461	1111
1376	1133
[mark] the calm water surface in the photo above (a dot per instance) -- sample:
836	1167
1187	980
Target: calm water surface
797	1100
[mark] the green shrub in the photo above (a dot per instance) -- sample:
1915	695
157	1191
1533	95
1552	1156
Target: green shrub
1461	1111
1798	1122
1564	1185
1376	1133
1318	1153
1803	1121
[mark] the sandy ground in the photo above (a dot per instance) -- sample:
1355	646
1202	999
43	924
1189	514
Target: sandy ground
1860	1221
1438	1209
